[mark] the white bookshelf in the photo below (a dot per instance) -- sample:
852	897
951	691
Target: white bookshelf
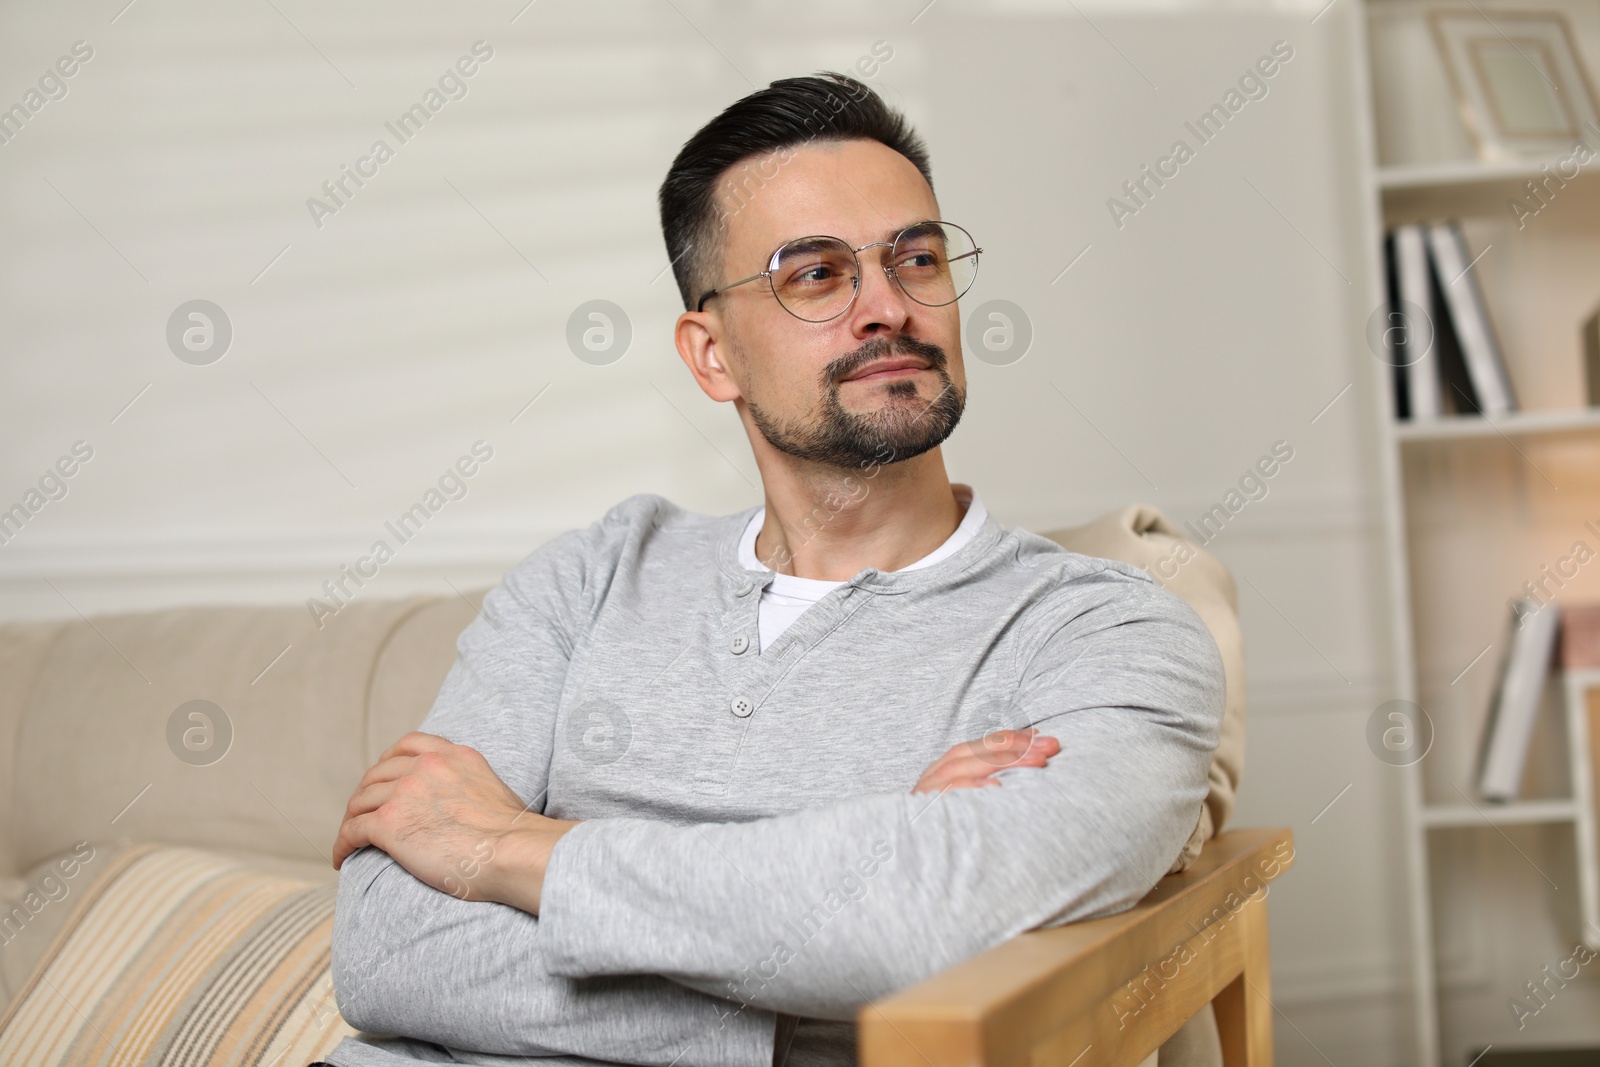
1576	810
1474	506
1512	424
1527	811
1430	176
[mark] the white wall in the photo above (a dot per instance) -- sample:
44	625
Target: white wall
369	353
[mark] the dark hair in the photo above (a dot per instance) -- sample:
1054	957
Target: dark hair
826	106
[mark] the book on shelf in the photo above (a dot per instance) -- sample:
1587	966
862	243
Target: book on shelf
1461	391
1396	331
1519	690
1470	317
1462	371
1412	290
1591	356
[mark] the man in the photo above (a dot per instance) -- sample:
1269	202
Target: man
698	788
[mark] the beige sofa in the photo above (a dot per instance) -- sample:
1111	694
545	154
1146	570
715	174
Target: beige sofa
101	749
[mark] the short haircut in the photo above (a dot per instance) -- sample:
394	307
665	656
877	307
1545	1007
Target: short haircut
827	106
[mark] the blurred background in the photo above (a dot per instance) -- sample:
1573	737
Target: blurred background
351	347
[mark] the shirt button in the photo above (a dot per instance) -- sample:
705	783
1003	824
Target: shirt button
739	644
743	706
744	590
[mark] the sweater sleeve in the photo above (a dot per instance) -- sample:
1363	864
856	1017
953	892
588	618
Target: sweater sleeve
820	911
412	961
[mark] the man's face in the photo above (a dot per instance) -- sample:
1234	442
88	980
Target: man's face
795	376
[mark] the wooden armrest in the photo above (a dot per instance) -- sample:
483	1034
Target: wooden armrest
1120	985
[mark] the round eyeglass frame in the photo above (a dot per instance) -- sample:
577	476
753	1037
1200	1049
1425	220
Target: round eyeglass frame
855	281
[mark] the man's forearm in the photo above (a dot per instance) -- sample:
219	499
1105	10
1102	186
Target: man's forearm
819	912
411	960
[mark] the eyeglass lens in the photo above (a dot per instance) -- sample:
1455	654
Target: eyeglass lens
815	277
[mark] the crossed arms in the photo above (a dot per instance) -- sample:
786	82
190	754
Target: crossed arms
475	922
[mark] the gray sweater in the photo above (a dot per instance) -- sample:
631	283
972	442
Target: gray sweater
752	867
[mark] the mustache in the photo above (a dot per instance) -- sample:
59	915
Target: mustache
880	348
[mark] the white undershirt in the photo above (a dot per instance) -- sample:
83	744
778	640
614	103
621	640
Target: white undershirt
786	596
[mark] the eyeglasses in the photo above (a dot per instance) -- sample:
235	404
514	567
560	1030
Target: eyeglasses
817	278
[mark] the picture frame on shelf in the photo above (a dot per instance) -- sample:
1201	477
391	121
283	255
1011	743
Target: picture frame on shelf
1518	80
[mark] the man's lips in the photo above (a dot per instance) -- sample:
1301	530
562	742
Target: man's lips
897	368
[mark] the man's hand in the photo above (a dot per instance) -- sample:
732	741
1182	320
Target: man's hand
969	764
442	813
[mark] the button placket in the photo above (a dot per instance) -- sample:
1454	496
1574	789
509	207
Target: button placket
739	671
748	614
752	677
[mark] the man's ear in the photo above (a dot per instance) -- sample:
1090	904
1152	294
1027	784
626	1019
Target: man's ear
697	347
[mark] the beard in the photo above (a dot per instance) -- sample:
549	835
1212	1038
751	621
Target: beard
900	426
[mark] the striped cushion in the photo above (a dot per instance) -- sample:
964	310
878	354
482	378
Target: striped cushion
178	956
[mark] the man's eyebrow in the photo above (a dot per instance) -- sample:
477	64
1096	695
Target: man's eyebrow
889	235
925	225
